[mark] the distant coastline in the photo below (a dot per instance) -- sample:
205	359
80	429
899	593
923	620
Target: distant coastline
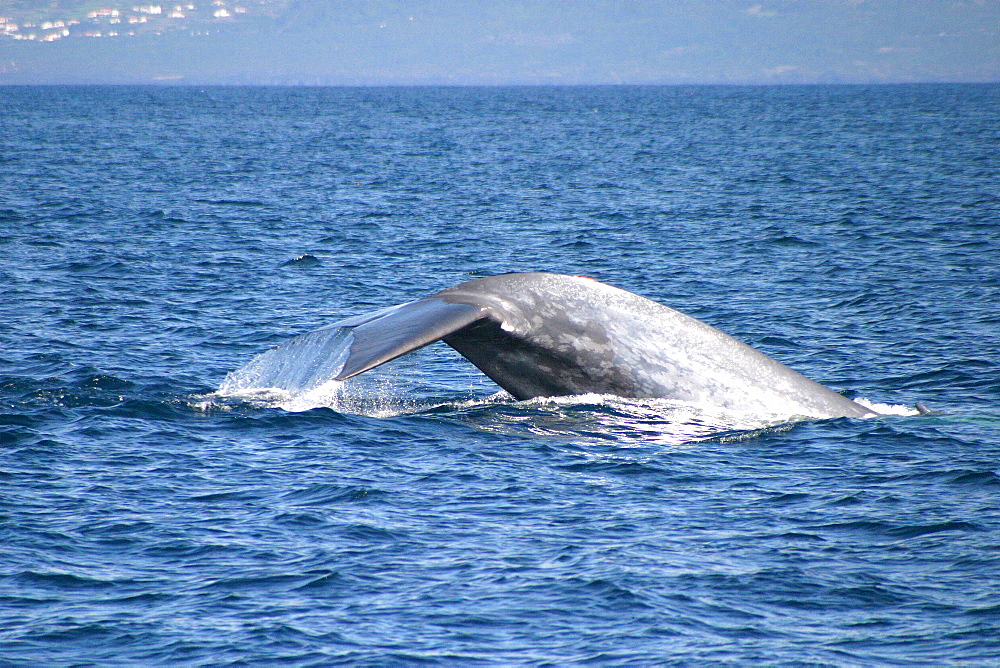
496	42
89	19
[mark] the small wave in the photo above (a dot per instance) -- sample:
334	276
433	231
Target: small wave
231	202
326	493
86	386
306	260
99	268
878	530
62	580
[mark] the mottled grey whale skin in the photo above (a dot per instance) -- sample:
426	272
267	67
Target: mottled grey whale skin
541	334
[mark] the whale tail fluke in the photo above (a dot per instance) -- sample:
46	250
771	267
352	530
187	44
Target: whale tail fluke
383	336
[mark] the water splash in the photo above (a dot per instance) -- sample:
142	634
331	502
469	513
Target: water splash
373	395
889	409
296	366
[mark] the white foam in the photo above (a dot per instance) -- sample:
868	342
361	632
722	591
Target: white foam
888	409
630	423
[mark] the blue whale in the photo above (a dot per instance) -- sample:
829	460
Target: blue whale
542	335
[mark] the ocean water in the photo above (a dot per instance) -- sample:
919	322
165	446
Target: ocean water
154	240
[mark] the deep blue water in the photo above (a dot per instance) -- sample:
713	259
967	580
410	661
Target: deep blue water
153	240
